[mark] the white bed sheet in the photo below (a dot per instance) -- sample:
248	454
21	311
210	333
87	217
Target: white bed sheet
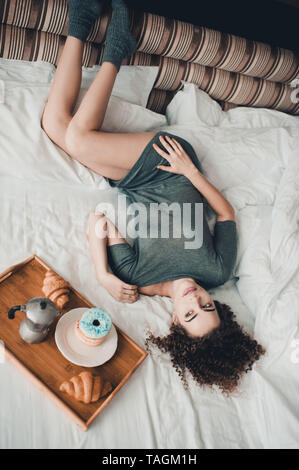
46	213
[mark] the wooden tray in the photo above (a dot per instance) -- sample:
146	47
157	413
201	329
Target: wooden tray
43	363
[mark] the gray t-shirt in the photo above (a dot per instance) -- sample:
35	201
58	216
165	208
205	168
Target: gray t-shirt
155	259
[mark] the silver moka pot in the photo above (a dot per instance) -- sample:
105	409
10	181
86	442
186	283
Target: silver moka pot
40	314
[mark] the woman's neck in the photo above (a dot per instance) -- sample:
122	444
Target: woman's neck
164	289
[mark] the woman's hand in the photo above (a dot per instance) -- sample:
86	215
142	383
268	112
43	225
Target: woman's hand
180	162
118	289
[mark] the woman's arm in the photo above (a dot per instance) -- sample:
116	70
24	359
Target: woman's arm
181	163
101	232
215	199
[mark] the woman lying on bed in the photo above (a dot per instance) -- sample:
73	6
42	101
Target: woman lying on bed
152	167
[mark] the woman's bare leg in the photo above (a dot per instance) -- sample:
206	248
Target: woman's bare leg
109	154
64	92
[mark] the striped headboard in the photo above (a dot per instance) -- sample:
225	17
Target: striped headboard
232	70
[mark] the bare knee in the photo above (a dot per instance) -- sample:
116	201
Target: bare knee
55	126
75	141
90	148
79	147
47	122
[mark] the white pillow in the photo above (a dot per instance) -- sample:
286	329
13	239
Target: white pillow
122	116
27	152
249	117
133	82
25	71
194	105
246	164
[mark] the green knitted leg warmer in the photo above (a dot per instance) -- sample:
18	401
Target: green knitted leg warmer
119	41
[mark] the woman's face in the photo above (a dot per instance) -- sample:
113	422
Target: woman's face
194	308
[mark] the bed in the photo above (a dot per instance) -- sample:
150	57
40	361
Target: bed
234	101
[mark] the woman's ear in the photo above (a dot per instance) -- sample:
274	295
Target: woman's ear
175	319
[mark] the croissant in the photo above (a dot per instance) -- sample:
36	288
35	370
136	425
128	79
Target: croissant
56	289
86	388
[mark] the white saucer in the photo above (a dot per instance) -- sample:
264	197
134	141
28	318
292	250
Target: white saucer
75	350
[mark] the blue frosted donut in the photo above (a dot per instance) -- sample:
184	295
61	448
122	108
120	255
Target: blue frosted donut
95	323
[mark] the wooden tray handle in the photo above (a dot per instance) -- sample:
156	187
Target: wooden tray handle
14	268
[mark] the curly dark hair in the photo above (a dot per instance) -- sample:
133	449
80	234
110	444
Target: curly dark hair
218	358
